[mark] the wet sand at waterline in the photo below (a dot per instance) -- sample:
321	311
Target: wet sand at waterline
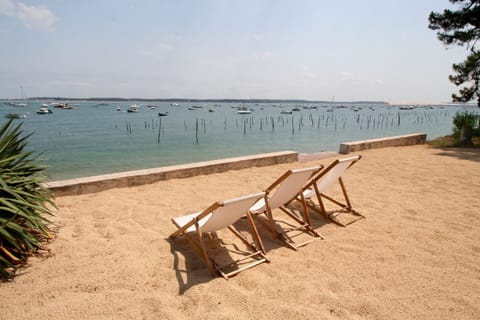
415	256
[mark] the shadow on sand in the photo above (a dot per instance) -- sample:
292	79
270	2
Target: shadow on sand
223	248
470	154
191	270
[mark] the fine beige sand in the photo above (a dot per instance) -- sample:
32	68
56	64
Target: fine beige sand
415	256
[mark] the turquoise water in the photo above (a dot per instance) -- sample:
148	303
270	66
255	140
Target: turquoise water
93	139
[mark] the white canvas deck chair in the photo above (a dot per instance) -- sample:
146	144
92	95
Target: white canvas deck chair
280	194
197	227
323	181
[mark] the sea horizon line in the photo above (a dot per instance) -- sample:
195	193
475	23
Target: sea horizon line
229	100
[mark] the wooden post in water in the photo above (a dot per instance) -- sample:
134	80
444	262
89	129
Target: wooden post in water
293	127
159	130
196	131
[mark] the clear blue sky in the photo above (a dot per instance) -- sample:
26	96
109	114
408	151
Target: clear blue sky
306	49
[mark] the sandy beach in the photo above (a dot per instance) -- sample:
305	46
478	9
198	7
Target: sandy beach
415	256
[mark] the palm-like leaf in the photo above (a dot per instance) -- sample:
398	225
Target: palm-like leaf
24	202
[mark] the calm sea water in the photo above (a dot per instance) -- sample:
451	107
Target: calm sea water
93	139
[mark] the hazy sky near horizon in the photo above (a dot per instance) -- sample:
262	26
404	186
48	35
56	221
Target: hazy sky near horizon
280	49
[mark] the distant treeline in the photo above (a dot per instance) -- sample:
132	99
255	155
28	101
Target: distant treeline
204	100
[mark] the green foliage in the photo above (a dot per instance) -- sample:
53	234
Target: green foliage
464	128
467	72
459	27
465	118
462	27
24	201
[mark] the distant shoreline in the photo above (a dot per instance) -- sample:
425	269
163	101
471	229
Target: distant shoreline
224	100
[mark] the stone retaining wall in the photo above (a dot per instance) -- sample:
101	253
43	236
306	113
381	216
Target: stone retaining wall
396	141
140	177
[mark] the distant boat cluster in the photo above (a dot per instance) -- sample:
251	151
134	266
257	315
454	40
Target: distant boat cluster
43	109
242	109
135	108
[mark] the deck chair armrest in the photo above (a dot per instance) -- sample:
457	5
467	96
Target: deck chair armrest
277	182
289	172
209	210
197	218
351	164
313	178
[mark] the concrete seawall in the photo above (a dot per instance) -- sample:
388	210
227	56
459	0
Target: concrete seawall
140	177
396	141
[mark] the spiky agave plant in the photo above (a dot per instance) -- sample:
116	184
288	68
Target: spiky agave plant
25	203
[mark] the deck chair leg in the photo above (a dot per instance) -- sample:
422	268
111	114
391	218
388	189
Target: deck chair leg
193	243
346	206
347	200
241	237
203	250
301	199
302	224
306	210
322	206
272	222
256	235
319	198
259	256
275	234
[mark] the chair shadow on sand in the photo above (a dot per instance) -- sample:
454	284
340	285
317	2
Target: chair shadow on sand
291	233
222	247
193	271
189	267
317	221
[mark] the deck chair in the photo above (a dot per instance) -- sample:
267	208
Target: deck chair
323	181
198	227
279	195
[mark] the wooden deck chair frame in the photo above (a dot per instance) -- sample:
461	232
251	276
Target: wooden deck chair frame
196	235
322	181
268	205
